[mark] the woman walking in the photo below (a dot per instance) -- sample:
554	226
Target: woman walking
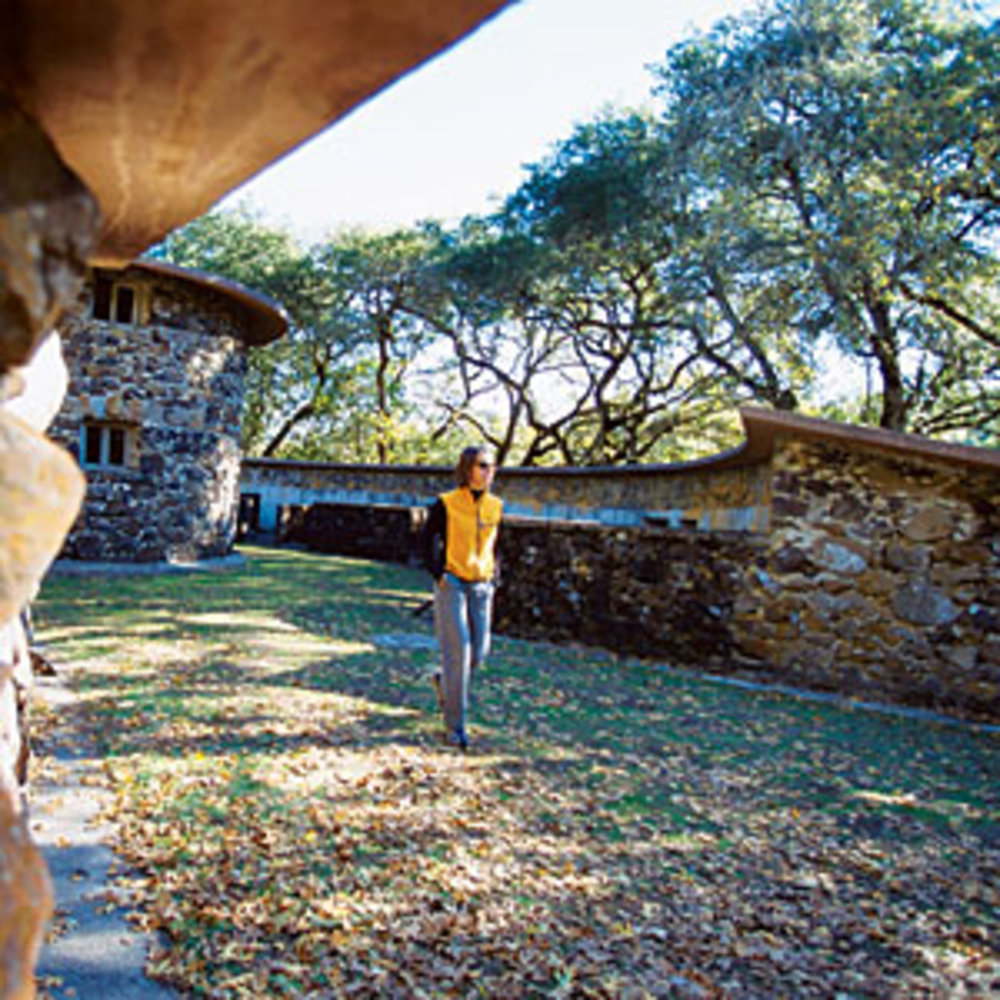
460	552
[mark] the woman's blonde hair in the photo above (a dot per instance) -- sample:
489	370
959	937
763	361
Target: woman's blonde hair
463	470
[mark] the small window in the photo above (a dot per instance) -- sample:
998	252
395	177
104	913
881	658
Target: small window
92	439
106	445
124	304
102	298
116	446
112	300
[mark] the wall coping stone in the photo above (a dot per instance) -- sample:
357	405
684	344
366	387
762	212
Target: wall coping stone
763	425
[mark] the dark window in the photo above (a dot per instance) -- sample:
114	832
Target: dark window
92	445
116	446
112	300
102	298
106	444
124	304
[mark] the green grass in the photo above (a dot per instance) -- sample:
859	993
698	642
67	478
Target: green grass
293	824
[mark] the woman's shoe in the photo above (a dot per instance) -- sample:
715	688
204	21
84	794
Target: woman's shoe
457	738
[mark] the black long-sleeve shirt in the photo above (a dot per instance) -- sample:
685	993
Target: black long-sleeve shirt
435	539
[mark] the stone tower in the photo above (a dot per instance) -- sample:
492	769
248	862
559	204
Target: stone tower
156	357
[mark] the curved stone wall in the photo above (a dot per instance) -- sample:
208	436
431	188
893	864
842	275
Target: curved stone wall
882	576
153	416
873	570
716	495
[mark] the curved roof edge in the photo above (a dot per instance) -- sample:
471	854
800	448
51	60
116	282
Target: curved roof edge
267	318
761	427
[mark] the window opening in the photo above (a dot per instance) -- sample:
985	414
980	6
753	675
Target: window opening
92	445
102	298
105	444
113	301
124	304
116	446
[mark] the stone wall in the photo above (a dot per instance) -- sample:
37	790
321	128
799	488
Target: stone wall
389	533
724	493
882	577
653	591
878	577
172	381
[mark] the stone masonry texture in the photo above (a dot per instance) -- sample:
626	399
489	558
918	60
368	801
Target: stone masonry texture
882	579
877	577
173	381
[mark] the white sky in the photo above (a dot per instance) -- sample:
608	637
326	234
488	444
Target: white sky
451	138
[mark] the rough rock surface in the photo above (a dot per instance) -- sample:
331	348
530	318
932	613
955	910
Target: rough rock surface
879	578
172	381
48	223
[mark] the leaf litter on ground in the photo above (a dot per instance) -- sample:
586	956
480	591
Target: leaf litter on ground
290	824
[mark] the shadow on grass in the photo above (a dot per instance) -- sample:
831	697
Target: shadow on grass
634	812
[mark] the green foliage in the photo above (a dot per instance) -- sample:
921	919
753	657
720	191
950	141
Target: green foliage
378	278
819	183
333	387
846	155
288	376
237	245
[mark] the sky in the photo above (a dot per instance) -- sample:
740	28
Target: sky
452	137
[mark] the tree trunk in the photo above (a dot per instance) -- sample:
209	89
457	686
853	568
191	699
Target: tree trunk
895	408
382	389
305	411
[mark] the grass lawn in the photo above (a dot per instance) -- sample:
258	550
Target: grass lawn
291	825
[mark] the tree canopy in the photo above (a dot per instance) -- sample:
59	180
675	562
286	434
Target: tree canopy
814	186
849	149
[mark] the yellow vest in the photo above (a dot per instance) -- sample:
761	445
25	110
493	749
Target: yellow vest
472	533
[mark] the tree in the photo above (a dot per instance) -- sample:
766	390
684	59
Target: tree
855	144
293	380
595	205
333	387
481	283
377	277
820	177
583	308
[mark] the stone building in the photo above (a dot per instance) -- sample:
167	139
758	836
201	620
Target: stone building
157	356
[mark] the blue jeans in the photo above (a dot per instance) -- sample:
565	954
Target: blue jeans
462	615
